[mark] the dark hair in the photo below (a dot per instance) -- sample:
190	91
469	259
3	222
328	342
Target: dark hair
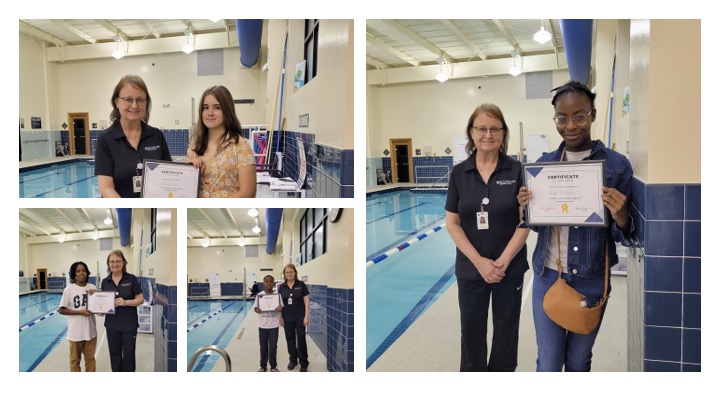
290	266
117	252
233	129
73	269
493	111
139	84
574	87
270	276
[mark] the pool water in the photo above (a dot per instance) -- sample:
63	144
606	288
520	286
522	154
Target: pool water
403	286
75	179
222	318
38	340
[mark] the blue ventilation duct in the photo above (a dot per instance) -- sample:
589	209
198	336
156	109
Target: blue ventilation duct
577	36
249	34
124	219
273	218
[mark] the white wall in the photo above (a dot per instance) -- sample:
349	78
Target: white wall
231	263
163	262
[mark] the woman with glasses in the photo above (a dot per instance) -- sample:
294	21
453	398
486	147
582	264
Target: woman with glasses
225	158
122	147
482	217
122	326
577	253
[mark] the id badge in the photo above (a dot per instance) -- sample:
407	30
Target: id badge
290	301
137	184
482	221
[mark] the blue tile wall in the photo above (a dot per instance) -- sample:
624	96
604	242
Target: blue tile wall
332	325
667	220
428	169
147	284
177	140
226	289
330	170
56	284
231	289
166	335
198	289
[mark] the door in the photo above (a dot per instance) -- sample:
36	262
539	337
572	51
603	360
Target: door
42	279
79	134
401	160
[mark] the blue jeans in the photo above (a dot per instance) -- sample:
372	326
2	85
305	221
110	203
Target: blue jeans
556	346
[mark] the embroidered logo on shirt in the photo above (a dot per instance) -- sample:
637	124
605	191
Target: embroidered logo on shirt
152	148
505	182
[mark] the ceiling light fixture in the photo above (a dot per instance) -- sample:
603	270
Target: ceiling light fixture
515	69
206	241
242	240
118	53
108	220
96	234
256	228
542	36
188	48
253	212
62	237
442	77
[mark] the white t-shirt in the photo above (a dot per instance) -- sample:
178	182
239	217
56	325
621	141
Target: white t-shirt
80	327
267	319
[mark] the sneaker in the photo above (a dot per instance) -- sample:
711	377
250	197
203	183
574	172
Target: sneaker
291	365
274	370
303	369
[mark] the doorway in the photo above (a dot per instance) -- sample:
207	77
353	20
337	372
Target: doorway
79	133
401	163
42	279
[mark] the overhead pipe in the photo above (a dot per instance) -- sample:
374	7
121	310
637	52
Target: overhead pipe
577	37
124	219
273	219
249	34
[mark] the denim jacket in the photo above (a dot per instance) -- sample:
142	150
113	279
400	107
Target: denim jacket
588	260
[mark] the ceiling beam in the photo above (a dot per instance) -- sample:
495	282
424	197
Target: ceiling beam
508	36
72	223
79	33
417	38
232	218
374	62
454	28
113	29
385	47
39	34
217	228
151	30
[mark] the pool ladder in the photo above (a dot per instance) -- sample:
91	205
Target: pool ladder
216	348
432	186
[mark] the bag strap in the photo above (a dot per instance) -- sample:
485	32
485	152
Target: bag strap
558	262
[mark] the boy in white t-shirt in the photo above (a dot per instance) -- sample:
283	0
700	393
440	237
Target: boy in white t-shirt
81	334
268	323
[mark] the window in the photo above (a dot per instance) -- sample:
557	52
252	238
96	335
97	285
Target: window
313	237
311	40
153	230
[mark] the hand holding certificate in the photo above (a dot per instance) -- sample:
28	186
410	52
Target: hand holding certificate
269	302
102	302
162	179
565	193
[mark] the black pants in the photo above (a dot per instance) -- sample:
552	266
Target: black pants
474	299
268	346
122	349
297	346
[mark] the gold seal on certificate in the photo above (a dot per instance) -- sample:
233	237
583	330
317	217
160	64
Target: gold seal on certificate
269	302
102	302
565	193
163	179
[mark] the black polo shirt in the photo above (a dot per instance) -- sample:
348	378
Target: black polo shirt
115	157
466	191
296	311
125	318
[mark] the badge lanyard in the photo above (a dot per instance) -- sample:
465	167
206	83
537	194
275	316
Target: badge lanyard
137	179
483	221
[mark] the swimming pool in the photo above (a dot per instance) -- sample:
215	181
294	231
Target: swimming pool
42	328
213	322
72	179
403	285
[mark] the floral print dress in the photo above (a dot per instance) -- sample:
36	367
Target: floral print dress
221	173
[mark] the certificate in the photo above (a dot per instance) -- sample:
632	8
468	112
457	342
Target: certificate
102	302
163	179
269	302
565	193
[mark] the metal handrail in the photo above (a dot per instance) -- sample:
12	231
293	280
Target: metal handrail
216	348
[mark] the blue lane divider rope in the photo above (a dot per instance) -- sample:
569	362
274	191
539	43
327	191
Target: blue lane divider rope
207	318
35	322
377	259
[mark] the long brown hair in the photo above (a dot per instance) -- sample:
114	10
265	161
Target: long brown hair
139	84
493	111
199	142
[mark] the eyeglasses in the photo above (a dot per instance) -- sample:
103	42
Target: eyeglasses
116	262
129	101
578	119
493	131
